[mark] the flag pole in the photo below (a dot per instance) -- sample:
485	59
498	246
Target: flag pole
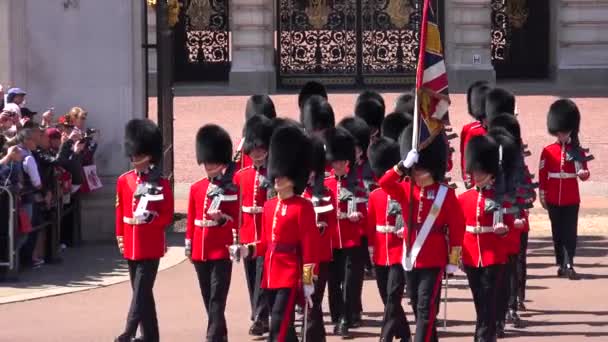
416	122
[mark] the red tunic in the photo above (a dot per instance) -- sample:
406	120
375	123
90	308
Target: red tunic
348	234
381	229
468	132
241	159
208	238
557	175
325	213
434	251
249	183
486	249
147	240
289	240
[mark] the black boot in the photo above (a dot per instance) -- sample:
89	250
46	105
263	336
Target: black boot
571	273
123	338
258	328
500	329
561	271
520	305
342	330
357	320
515	319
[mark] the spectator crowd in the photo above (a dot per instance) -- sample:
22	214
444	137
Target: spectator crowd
42	158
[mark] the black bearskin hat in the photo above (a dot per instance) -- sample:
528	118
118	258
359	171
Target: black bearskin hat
311	88
394	124
317	114
339	145
143	137
499	101
432	158
563	116
374	95
476	99
405	103
257	133
260	105
213	145
382	155
507	122
370	110
289	156
318	161
482	155
512	167
281	122
358	129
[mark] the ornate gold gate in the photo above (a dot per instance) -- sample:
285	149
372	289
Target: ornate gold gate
348	42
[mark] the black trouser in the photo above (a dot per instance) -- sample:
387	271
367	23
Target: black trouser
367	260
484	282
316	329
214	281
507	288
253	273
342	284
522	267
281	303
391	282
564	226
424	289
359	267
143	309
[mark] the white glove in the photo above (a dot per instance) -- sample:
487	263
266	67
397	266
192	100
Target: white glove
309	290
410	159
355	217
399	233
451	269
188	249
500	229
519	223
244	251
235	252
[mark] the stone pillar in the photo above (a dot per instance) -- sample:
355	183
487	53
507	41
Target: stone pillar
467	32
580	31
84	53
5	60
252	27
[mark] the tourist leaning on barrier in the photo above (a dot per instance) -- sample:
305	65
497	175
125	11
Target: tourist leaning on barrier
212	215
144	210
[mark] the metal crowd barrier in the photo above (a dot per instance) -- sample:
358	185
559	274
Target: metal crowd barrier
11	262
54	225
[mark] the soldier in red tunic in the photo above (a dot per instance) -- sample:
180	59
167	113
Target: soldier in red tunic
144	209
484	248
255	190
361	132
438	226
323	200
561	165
476	103
290	237
385	234
256	105
212	214
506	124
351	210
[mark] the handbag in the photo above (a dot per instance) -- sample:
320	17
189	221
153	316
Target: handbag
25	224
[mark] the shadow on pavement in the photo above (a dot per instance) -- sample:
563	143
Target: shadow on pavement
84	266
